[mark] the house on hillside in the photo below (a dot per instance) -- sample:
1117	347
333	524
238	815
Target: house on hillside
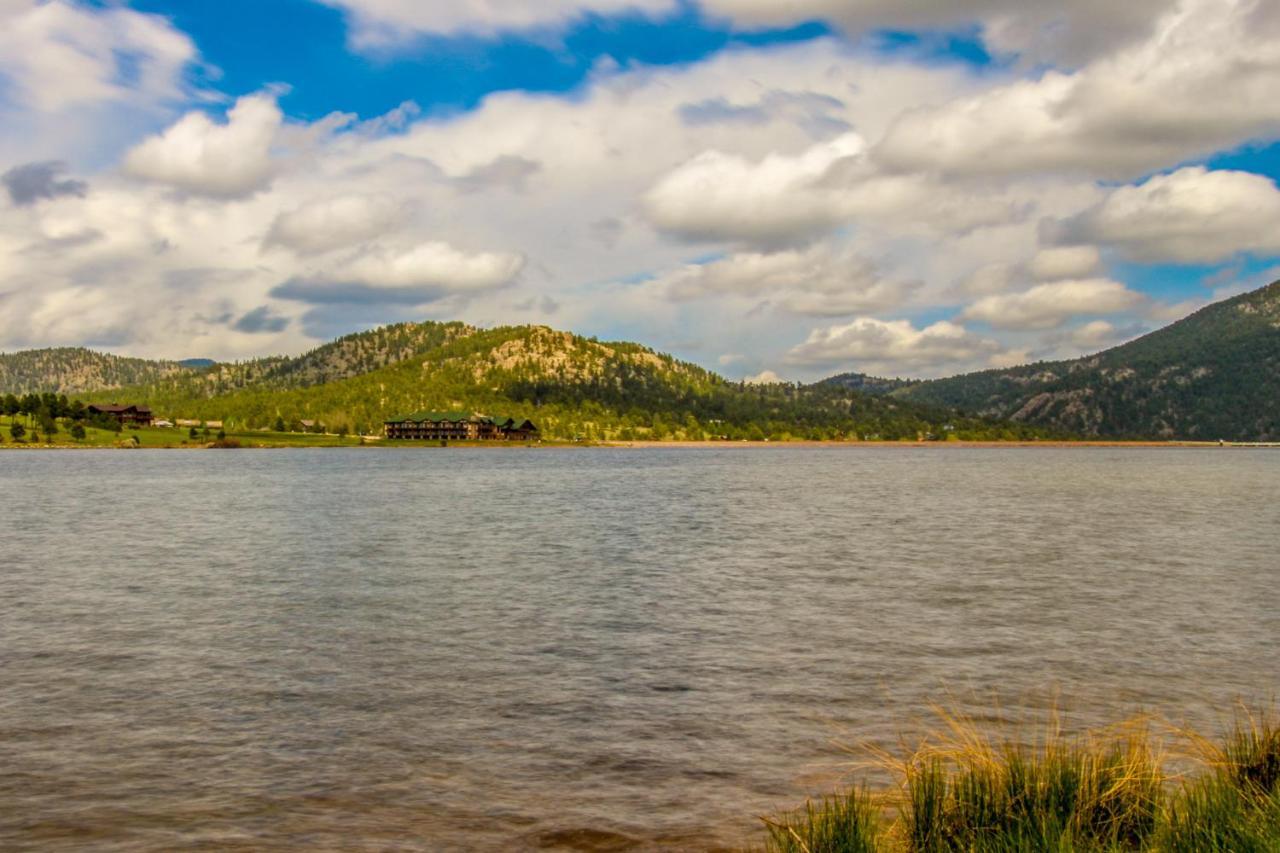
459	426
139	415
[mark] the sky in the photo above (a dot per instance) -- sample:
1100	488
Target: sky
771	190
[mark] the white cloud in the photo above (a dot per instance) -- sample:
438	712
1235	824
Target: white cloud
58	55
780	199
989	278
894	347
820	280
1193	215
382	23
335	223
788	199
1047	306
1065	262
1201	82
413	275
1038	29
204	157
433	264
1095	335
765	377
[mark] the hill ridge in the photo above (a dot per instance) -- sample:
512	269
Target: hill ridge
1214	374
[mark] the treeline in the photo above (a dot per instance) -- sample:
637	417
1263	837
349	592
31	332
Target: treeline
42	412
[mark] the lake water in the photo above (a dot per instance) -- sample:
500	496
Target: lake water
583	649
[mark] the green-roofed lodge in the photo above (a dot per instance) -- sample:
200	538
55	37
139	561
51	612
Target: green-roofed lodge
459	426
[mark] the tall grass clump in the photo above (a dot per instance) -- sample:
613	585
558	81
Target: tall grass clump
962	790
973	794
1236	805
844	823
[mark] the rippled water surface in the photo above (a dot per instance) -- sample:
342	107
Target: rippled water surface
590	649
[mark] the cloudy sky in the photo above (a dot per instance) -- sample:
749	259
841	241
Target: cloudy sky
899	187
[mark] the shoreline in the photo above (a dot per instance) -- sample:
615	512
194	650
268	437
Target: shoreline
1092	444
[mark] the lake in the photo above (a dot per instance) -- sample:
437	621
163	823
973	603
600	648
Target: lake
584	649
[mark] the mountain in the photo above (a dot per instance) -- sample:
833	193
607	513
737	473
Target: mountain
865	384
69	370
570	385
1214	375
348	356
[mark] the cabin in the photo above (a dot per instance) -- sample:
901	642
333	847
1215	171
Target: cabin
459	426
139	415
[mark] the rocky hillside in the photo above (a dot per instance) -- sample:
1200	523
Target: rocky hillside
75	370
571	385
1214	375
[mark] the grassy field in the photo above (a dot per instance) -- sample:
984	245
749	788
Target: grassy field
962	790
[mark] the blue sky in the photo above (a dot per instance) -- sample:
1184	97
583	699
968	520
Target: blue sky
771	190
441	73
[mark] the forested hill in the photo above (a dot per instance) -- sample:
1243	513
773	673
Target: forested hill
348	356
1214	375
870	384
76	370
570	385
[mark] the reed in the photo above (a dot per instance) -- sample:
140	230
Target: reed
961	789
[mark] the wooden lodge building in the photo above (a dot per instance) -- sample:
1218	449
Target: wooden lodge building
140	415
459	426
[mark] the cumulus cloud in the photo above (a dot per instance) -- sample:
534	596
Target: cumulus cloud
204	157
416	275
765	377
507	172
989	278
1193	215
1100	334
335	223
894	347
778	200
1047	306
382	23
815	112
32	182
791	199
820	280
1158	101
1065	262
60	55
1038	29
